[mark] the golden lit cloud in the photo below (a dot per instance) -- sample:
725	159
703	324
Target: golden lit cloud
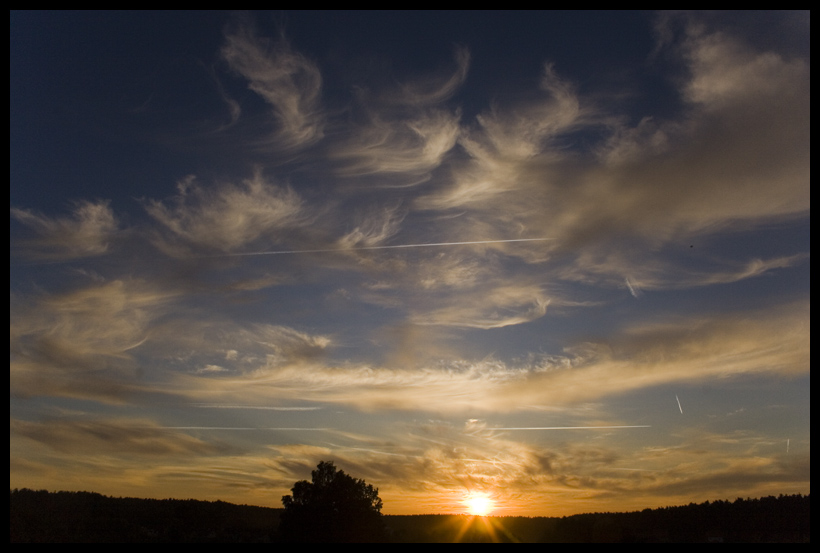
685	351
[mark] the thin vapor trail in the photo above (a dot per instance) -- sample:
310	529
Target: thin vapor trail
263	407
245	428
570	427
679	407
372	451
327	250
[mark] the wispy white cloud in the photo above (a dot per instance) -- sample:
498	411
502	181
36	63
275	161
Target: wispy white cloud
433	89
741	154
374	229
118	437
453	271
529	130
504	141
638	272
288	81
411	146
88	233
725	72
401	133
80	343
495	307
98	343
227	217
766	342
721	164
217	347
691	350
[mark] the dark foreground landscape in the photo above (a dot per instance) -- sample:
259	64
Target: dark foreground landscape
42	516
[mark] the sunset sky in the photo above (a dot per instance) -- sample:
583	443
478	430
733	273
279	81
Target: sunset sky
559	261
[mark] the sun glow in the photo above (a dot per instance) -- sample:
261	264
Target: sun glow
478	504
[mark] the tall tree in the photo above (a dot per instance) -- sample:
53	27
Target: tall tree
334	507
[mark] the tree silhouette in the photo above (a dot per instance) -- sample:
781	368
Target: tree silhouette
335	507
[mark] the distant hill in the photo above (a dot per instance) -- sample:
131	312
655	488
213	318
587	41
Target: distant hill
86	517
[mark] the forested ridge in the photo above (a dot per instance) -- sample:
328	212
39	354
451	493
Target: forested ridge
43	516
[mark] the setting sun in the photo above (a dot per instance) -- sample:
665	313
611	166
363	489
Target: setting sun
478	504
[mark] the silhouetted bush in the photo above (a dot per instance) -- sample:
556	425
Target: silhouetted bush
333	508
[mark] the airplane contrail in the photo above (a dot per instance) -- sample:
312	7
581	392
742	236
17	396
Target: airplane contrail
570	427
679	407
335	446
267	408
245	428
428	245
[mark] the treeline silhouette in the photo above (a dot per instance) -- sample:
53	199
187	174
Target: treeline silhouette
87	517
768	519
42	516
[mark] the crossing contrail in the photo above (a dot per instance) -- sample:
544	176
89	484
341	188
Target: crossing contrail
361	248
633	288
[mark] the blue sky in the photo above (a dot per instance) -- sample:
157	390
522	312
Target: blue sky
558	259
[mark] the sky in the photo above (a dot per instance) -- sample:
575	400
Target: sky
556	260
